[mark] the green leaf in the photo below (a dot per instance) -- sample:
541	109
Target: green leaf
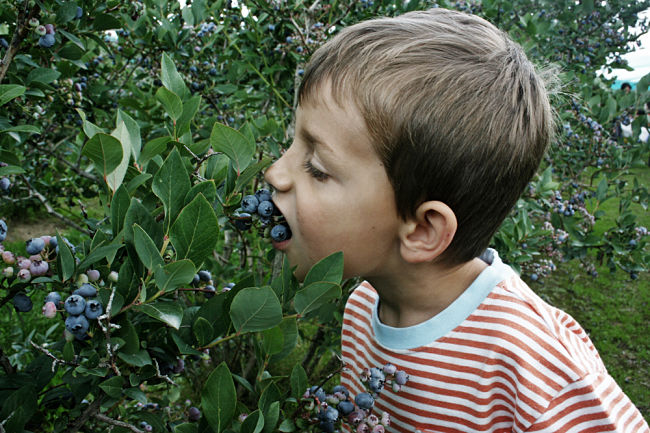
254	423
146	249
171	79
11	169
171	103
169	312
23	128
72	38
136	395
10	91
98	254
90	129
315	295
42	75
171	183
255	309
207	188
202	331
65	259
66	12
273	340
250	172
137	213
219	398
106	22
328	269
271	417
128	131
195	232
186	428
601	192
190	107
104	151
113	386
138	359
115	178
119	206
174	275
299	381
287	426
289	329
154	147
232	143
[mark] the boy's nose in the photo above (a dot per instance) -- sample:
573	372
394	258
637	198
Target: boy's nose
278	176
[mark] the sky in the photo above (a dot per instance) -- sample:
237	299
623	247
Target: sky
639	60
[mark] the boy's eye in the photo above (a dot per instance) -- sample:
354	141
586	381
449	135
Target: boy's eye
314	172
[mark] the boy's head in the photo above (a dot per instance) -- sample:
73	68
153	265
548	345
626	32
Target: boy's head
454	110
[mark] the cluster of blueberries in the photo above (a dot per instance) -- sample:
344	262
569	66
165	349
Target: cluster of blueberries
81	307
203	279
46	32
338	406
261	206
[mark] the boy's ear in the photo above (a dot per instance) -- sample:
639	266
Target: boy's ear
426	236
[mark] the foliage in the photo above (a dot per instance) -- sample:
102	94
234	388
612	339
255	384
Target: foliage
165	115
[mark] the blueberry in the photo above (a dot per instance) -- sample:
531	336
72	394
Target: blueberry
263	195
364	400
77	325
53	297
317	392
265	209
86	290
75	304
534	277
4	43
280	233
401	377
250	203
94	309
46	41
194	414
209	291
326	426
345	407
243	221
22	303
341	389
196	279
205	275
5	183
375	385
330	414
271	27
212	71
80	13
3	230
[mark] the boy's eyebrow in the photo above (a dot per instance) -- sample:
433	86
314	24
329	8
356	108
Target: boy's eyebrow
311	139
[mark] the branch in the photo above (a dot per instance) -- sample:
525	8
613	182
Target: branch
4	360
115	422
90	411
20	33
51	210
54	358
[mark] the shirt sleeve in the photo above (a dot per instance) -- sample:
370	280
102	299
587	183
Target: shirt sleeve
594	403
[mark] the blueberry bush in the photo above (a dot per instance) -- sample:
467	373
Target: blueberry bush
144	127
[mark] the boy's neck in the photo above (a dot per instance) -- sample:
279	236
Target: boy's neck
423	291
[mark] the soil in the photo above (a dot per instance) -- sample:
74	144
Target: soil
18	230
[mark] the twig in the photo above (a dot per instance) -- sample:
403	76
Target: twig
162	376
20	33
6	365
107	316
51	210
91	410
117	423
55	360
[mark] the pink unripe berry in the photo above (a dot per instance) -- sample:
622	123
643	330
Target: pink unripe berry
40	30
49	310
148	427
8	272
385	419
39	267
93	274
396	387
378	429
372	420
49	28
24	263
24	275
46	239
242	417
8	257
35	257
363	428
389	368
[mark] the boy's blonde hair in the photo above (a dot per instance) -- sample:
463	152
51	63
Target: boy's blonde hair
455	110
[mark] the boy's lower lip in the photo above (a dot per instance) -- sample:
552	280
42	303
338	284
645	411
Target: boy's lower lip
280	245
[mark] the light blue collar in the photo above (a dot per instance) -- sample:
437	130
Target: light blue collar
449	318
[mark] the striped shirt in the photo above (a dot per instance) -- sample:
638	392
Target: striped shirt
498	359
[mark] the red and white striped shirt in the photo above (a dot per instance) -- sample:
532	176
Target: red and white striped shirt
499	359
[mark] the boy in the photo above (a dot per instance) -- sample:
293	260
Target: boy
414	138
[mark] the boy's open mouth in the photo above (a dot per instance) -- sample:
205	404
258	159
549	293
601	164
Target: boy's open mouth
280	232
